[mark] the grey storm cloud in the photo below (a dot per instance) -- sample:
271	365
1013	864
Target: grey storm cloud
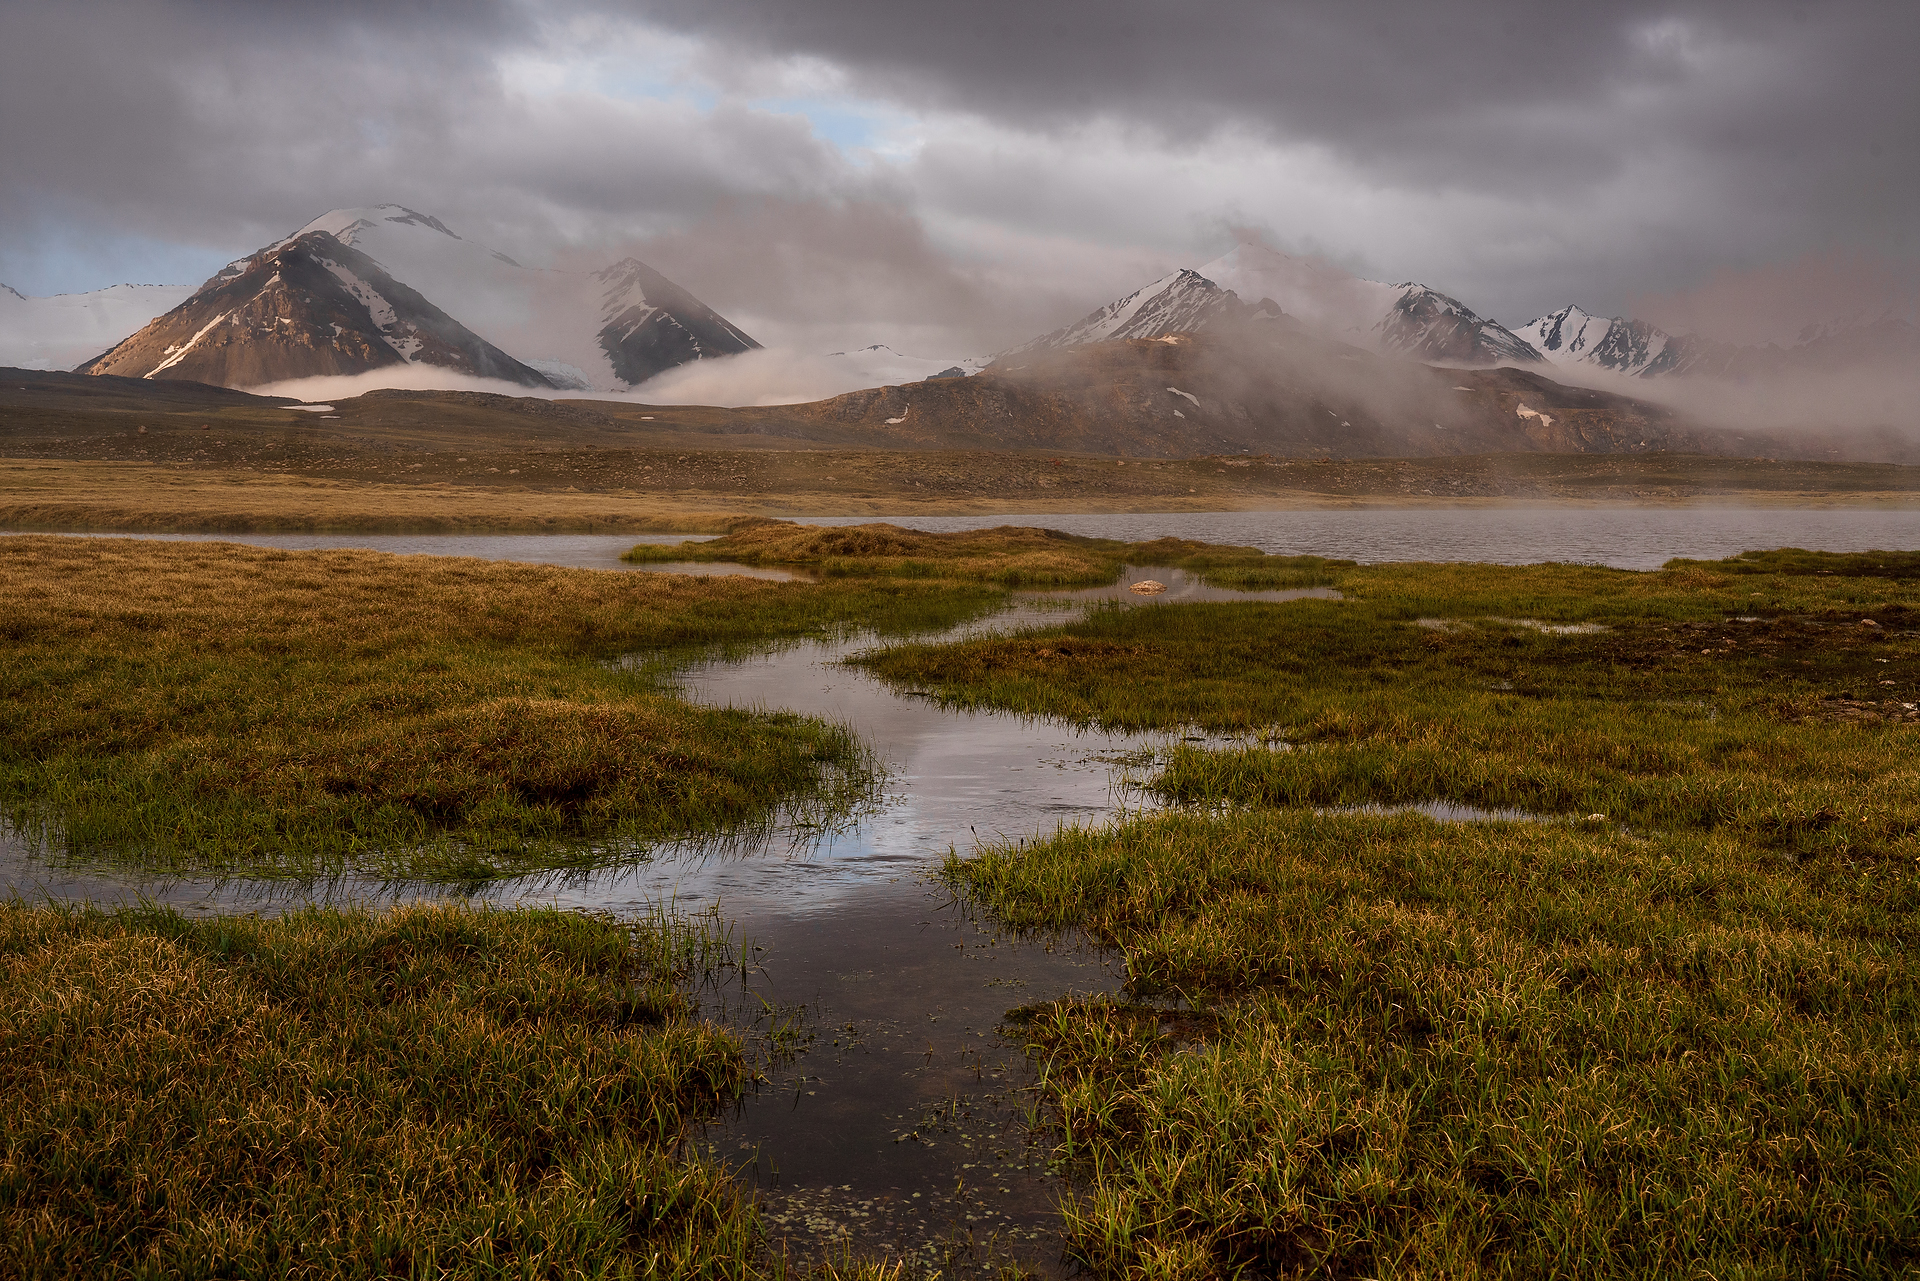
1798	122
1518	155
1461	88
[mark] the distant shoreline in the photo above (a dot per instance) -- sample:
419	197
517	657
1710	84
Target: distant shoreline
710	491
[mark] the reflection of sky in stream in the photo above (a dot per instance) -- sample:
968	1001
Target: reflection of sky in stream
900	1125
899	1121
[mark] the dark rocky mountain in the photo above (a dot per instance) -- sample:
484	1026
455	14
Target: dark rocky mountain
1428	325
649	324
599	331
306	306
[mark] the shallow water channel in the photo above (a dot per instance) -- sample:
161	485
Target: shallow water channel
894	1115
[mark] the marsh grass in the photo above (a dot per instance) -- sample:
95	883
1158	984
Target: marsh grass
428	1091
218	708
1008	555
1679	1039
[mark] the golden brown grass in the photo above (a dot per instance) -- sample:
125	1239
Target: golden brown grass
330	484
222	707
1670	1029
126	496
422	1092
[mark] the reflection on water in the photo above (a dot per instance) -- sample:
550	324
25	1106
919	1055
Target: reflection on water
1622	536
902	1121
575	551
894	1114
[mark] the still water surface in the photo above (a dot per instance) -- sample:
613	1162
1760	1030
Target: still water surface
897	1118
1622	536
901	1123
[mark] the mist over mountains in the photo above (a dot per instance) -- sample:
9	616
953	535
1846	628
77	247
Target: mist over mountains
360	290
391	295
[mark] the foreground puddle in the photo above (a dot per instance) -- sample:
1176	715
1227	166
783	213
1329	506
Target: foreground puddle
894	1117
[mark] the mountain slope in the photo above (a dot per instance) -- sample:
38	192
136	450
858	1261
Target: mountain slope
1183	303
605	330
1428	325
300	308
61	331
1261	389
1571	337
648	324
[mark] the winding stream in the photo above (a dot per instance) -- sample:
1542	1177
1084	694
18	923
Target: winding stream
893	1116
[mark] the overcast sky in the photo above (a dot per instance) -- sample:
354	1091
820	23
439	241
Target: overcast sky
960	176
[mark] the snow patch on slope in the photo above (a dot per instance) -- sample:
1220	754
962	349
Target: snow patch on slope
398	334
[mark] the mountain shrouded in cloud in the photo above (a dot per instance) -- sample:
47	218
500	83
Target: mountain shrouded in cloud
590	331
1515	157
305	307
1183	303
357	290
1254	282
649	324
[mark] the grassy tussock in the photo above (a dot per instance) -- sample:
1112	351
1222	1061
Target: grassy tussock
1678	1040
218	707
1455	1051
428	1092
1009	555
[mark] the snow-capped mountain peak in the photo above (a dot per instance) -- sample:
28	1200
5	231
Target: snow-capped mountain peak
1404	319
1571	336
648	324
304	307
1179	303
349	225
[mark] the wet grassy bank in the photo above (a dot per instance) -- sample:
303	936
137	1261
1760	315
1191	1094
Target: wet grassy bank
213	707
1671	1028
1007	555
423	1092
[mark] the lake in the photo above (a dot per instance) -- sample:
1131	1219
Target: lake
1624	537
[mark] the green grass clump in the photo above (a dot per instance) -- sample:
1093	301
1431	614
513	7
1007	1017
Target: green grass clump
196	706
1672	1030
1414	1049
1009	555
422	1092
1902	566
